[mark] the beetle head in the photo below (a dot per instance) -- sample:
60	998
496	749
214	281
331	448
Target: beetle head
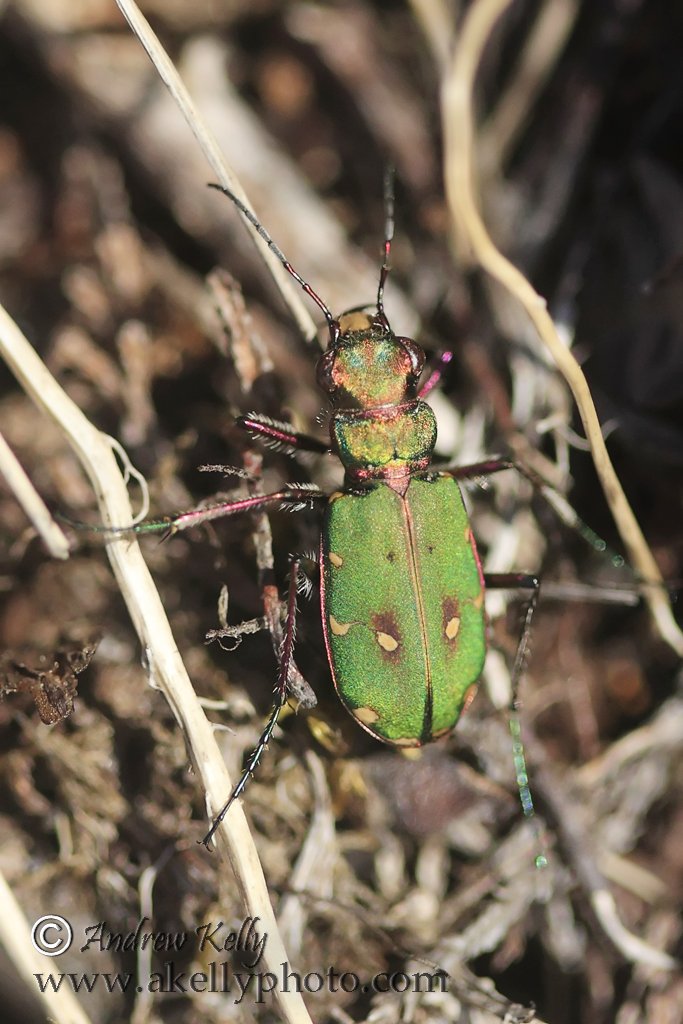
367	365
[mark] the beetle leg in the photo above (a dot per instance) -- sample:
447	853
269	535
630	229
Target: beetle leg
493	465
294	496
270	597
531	585
279	698
280	436
436	374
296	684
559	504
524	582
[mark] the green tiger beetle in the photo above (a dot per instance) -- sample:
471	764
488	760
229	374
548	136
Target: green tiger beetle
401	583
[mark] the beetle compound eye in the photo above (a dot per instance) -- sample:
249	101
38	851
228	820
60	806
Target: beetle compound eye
324	370
417	356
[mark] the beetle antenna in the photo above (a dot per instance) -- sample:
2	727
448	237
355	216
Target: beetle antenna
332	324
388	236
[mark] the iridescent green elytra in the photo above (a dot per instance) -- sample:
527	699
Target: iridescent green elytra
402	607
401	584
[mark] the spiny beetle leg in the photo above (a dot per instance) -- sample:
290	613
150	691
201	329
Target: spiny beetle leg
279	698
295	497
559	504
280	436
529	584
296	684
273	610
493	465
298	496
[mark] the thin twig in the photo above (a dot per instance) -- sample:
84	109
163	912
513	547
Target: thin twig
15	934
31	502
631	946
149	618
436	19
458	131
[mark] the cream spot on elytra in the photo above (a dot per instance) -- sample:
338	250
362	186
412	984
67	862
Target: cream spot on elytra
452	627
386	641
365	715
